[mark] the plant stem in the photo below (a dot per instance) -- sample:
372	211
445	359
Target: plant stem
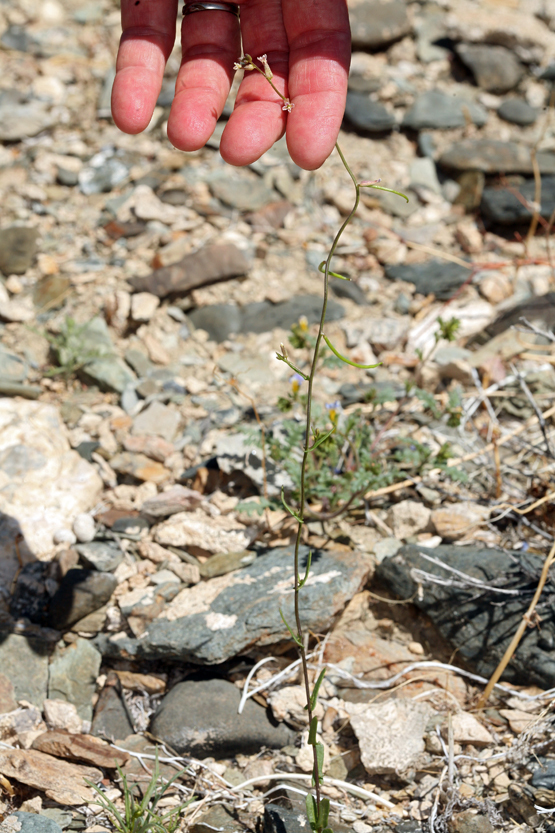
306	452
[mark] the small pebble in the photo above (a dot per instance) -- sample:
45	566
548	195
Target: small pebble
64	536
84	527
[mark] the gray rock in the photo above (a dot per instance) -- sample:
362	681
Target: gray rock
24	663
481	625
242	190
18	247
495	68
139	361
104	556
219	320
109	374
437	276
368	115
423	174
35	823
92	344
236	620
81	592
216	817
158	420
211	264
499	205
22	117
12	368
492	156
17	38
17	389
199	718
439	110
130	528
349	290
111	719
226	562
235	453
103	172
363	84
517	111
72	675
377	23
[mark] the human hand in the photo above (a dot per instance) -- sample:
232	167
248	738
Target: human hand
308	47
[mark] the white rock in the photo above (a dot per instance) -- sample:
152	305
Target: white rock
386	333
44	484
390	734
458	519
219	534
409	517
84	527
59	714
289	703
305	756
143	306
495	286
64	536
467	729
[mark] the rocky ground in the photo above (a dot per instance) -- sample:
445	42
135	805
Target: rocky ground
147	428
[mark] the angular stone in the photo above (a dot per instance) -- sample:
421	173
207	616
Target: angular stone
474	621
104	556
143	306
225	562
196	529
438	276
456	520
436	109
59	714
24	663
169	502
517	111
503	206
409	517
241	189
263	317
72	675
467	729
159	420
18	247
375	23
390	734
81	748
81	592
200	718
219	619
34	823
492	156
111	720
219	320
59	780
211	264
22	117
51	291
140	467
495	68
367	114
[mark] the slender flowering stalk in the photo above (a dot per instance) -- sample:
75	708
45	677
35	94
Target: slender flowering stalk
247	63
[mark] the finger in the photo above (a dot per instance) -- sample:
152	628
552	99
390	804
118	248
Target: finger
145	46
320	51
211	43
258	119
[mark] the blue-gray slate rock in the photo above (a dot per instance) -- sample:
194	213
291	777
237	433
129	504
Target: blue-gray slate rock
72	675
111	719
200	718
36	823
501	205
245	613
492	156
481	624
495	68
24	669
104	556
368	115
437	276
436	109
377	23
517	111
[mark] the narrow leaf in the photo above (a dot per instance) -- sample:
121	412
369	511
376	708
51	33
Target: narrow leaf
347	361
302	582
321	439
316	689
322	269
292	366
288	508
324	813
320	759
294	636
312	731
311	810
389	190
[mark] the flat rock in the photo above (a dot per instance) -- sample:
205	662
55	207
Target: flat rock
18	247
375	23
436	109
169	502
495	68
454	521
104	556
159	420
219	619
49	483
200	718
409	517
503	206
241	189
517	111
196	529
390	734
367	114
139	466
234	453
59	714
22	117
72	675
81	592
24	664
475	623
59	780
81	748
437	276
467	729
211	264
492	156
33	823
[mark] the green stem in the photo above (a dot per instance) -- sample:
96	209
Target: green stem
306	452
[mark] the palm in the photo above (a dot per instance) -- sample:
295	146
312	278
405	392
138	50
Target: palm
308	47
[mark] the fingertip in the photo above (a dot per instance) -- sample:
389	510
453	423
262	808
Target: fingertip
134	97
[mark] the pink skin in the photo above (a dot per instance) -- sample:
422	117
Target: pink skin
308	47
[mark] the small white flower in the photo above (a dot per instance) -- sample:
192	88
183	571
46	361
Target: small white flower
237	66
288	105
267	71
